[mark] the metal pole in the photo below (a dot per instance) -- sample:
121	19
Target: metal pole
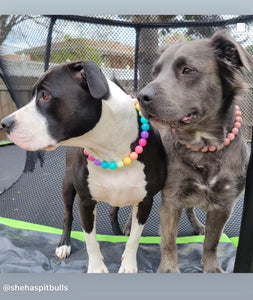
136	58
244	255
49	42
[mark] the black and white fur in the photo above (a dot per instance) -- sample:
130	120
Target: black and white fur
75	105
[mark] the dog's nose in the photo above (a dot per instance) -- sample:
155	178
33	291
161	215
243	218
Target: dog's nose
8	123
146	95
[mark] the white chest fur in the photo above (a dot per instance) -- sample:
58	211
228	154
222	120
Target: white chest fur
111	140
119	187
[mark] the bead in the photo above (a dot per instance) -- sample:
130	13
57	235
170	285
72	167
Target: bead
204	149
97	162
231	136
144	121
142	142
138	149
133	155
188	146
120	164
145	127
238	119
85	152
127	161
104	164
238	113
135	101
212	148
237	125
137	106
91	158
112	165
235	131
140	113
237	107
144	134
226	142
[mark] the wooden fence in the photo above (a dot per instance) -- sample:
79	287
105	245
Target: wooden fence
7	106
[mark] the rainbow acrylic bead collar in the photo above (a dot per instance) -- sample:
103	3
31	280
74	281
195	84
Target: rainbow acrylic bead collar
112	165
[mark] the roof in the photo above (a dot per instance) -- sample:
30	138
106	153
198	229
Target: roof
102	47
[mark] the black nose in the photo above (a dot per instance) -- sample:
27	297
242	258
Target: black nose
8	123
146	95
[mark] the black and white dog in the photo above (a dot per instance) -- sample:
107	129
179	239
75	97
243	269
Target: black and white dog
75	105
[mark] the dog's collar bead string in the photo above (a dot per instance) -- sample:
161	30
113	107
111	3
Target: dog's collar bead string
112	165
229	138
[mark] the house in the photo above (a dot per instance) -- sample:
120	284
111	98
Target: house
111	54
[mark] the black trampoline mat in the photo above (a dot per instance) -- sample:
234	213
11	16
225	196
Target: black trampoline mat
24	251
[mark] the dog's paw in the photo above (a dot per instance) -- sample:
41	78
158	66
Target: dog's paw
200	229
214	269
128	264
63	251
96	265
211	264
168	269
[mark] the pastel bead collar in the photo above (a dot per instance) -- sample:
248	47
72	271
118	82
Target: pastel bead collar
112	165
228	139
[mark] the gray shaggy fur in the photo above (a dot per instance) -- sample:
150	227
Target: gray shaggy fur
204	79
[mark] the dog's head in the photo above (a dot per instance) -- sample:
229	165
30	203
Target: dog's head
195	80
66	103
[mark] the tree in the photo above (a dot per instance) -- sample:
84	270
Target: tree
148	44
7	22
202	32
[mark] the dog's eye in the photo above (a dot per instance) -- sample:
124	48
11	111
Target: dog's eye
45	96
187	71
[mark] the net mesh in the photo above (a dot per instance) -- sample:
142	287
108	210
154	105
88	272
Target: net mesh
36	197
123	46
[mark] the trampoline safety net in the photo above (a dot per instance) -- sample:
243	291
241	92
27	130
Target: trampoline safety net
124	47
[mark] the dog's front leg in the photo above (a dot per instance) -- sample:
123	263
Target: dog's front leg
215	222
140	214
170	215
88	219
129	261
64	247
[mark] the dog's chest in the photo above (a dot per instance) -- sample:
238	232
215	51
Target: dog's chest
218	190
120	187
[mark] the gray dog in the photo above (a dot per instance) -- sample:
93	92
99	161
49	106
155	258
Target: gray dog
193	100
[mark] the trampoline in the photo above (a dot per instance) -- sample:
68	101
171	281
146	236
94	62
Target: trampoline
31	206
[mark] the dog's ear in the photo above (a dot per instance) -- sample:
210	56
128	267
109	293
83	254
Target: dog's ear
229	53
91	75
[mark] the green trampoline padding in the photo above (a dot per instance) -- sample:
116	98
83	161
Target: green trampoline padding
5	143
235	240
79	235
